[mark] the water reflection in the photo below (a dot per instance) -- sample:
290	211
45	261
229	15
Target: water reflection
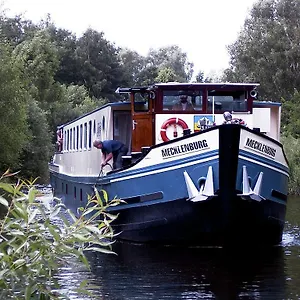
147	272
144	272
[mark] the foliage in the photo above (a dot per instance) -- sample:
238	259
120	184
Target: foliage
290	115
71	102
165	75
33	247
13	103
69	68
200	78
267	49
173	58
100	68
16	29
292	151
36	155
39	59
132	64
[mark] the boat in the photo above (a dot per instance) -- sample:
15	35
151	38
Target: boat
212	174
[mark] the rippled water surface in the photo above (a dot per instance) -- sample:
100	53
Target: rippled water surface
144	272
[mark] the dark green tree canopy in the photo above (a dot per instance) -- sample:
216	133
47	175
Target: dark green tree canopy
101	70
267	49
13	119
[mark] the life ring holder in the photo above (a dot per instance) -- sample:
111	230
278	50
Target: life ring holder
167	123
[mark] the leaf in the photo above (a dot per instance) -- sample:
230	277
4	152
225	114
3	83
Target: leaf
32	194
53	231
7	188
81	237
3	272
72	215
24	244
102	250
93	229
88	211
3	201
32	215
56	211
17	232
83	258
19	262
83	283
28	292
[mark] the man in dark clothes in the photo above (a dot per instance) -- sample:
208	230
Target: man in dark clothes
111	149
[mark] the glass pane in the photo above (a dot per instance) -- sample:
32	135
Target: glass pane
141	102
182	100
226	101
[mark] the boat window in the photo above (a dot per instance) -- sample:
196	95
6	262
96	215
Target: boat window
90	134
77	137
141	102
84	135
172	100
226	101
74	140
80	136
68	140
65	140
71	136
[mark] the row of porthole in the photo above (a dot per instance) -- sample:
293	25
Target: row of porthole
75	191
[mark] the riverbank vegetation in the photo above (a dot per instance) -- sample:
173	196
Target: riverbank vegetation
49	76
35	244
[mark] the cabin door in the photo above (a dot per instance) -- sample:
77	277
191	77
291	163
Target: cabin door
142	121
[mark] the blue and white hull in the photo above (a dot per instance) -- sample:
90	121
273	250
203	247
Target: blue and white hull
221	185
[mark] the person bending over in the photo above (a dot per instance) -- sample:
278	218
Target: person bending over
111	149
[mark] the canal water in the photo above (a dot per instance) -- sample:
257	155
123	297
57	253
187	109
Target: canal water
148	272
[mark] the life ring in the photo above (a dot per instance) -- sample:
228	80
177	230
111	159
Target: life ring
167	123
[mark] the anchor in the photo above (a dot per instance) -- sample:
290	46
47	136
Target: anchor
206	190
247	191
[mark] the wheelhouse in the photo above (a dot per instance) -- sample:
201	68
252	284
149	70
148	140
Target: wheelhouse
152	107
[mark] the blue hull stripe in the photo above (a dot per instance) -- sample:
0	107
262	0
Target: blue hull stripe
265	161
170	168
156	167
266	165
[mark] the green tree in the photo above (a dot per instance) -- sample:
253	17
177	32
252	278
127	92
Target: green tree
290	115
100	67
72	102
15	30
174	58
40	62
133	65
68	71
13	103
267	49
36	155
165	75
200	78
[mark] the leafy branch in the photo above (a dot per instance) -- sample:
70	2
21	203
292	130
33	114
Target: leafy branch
37	234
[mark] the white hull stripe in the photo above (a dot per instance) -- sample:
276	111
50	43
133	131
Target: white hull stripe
194	162
264	165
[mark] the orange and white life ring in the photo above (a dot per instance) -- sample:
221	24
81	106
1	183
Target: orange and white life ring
169	122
